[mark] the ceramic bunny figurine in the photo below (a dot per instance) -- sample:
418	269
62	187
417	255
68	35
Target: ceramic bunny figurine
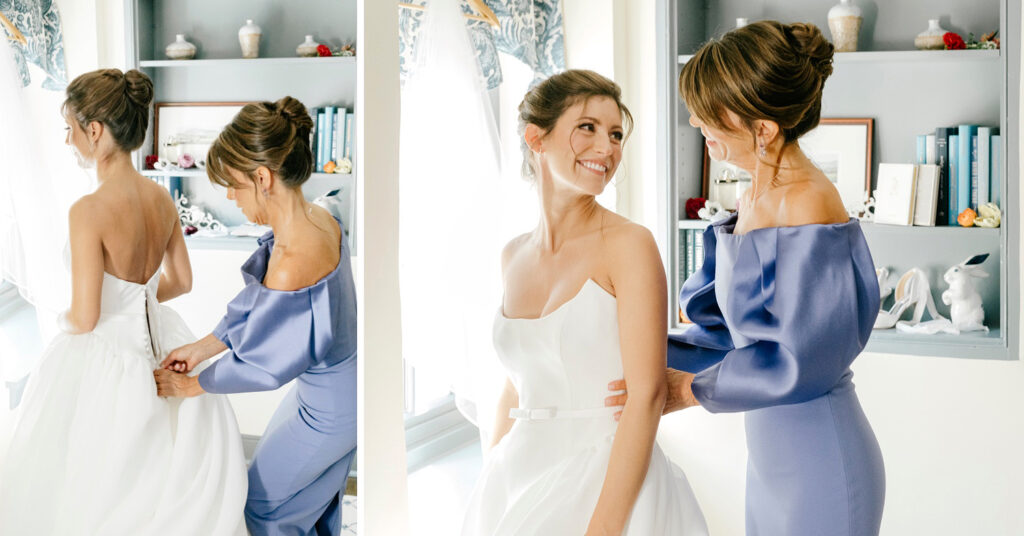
965	310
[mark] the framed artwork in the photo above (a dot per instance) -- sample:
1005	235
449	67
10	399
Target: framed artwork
839	147
189	127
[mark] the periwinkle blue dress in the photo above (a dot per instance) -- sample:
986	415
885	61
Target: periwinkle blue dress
298	473
779	315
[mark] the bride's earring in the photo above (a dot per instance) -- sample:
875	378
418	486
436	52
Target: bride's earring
764	152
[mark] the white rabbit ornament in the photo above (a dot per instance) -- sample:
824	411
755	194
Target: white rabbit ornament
965	309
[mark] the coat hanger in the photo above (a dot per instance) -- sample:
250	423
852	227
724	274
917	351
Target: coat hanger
12	31
485	13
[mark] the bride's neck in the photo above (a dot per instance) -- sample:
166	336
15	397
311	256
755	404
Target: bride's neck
113	167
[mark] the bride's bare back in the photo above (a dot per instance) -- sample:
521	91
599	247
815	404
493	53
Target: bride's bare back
135	220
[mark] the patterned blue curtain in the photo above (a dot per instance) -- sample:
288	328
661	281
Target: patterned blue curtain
530	30
39	22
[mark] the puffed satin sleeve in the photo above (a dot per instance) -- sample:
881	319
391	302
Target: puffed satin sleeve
706	340
272	337
801	307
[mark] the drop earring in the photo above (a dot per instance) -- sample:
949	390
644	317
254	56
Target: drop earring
764	152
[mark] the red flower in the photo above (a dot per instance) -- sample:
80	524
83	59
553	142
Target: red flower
322	50
692	206
953	41
150	160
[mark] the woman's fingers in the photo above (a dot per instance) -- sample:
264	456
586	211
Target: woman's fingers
617	385
616	400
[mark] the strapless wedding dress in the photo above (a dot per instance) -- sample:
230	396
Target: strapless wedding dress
95	451
545	476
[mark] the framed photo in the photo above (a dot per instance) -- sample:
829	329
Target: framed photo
841	148
189	127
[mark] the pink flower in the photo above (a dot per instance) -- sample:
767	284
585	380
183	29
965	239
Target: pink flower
186	161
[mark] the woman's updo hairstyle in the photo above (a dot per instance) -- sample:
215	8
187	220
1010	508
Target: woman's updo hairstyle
765	70
274	135
118	100
548	100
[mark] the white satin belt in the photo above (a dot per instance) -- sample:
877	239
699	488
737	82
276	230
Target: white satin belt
543	414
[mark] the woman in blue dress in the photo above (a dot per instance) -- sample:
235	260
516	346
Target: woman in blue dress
787	295
294	320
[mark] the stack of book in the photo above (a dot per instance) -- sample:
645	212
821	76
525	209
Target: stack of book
691	256
970	164
332	135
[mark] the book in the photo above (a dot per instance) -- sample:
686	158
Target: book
682	257
896	196
329	132
698	250
929	150
985	164
314	135
963	173
954	183
321	123
995	192
927	197
974	172
349	134
942	160
922	149
338	147
689	253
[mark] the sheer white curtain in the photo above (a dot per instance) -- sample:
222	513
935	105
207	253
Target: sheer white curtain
450	244
39	179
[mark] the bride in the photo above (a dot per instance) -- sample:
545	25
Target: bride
95	451
585	301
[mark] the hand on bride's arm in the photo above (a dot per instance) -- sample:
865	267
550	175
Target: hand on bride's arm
186	358
680	392
176	384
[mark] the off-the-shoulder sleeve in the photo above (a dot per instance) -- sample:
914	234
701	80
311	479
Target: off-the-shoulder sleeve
801	308
706	340
272	337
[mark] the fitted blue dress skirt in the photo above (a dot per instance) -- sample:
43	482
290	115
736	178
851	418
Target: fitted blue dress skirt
779	314
298	473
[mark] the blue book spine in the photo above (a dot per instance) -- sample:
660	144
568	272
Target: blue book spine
963	174
321	127
338	146
974	173
922	150
349	133
997	170
329	134
984	164
954	183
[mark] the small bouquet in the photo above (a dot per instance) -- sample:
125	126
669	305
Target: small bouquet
988	41
345	50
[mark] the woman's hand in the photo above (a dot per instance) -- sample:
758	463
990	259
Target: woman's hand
187	357
183	359
176	384
680	392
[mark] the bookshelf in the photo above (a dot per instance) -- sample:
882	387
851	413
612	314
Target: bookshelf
907	92
219	74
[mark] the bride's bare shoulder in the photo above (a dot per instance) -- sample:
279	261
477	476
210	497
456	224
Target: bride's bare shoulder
513	247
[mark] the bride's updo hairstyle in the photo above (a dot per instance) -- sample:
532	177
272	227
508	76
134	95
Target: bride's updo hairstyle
765	70
274	135
548	100
118	100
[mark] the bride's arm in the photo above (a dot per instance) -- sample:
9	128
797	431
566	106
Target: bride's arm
640	289
176	278
502	422
86	269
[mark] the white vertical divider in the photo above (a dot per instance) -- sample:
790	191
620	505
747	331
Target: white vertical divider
383	497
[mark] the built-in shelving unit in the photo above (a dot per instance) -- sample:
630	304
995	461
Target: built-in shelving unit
218	74
907	92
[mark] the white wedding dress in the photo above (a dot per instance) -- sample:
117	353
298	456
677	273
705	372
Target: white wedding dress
545	476
96	452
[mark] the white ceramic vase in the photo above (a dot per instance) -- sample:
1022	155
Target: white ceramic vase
844	21
180	49
741	22
931	39
249	37
307	48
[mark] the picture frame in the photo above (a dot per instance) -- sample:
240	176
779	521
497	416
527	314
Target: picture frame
189	127
840	147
